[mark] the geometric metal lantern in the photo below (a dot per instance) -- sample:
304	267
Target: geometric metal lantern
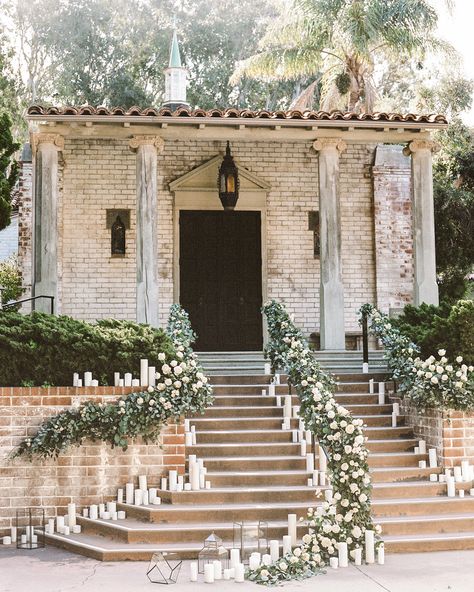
30	524
250	537
164	568
213	550
228	181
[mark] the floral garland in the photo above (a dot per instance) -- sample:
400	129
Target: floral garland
434	382
181	389
347	516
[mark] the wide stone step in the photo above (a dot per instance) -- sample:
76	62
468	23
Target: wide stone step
230	512
254	463
256	448
408	489
400	474
434	506
245	478
242	436
234	412
395	459
427	524
421	543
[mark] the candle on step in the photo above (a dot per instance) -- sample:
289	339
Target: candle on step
416	450
274	550
342	554
371	386
365	368
471	491
202	478
209	573
116	378
194	475
465	470
152	494
217	569
121	382
381	555
94	382
286	544
87	378
322	478
187	487
194	571
432	458
173	478
60	522
294	436
267	368
442	478
239	573
79	382
129	487
226	574
422	464
433	477
285	425
457	474
121	515
271	390
370	546
394	420
421	446
186	425
76	529
208	485
308	436
146	498
461	493
101	509
264	392
193	434
381	398
278	401
287	406
277	379
142	482
120	496
358	556
292	528
266	559
71	514
7	540
127	379
309	462
106	515
234	557
322	459
114	515
75	378
254	561
328	495
451	485
23	539
13	533
303	448
143	372
138	501
151	376
396	408
93	512
334	562
135	382
164	483
381	388
66	531
315	478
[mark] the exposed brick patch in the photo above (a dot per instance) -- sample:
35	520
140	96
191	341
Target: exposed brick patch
85	474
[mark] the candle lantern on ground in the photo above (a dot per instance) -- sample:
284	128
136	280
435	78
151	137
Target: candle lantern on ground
164	568
30	528
213	550
228	181
251	537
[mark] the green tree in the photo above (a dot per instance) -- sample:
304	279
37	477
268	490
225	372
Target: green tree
343	40
8	169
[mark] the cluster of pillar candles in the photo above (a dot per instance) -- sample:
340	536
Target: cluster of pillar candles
148	377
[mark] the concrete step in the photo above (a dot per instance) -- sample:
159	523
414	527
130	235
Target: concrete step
408	489
254	463
427	524
420	543
400	474
246	478
434	506
256	448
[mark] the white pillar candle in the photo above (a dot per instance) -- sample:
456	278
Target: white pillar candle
217	570
271	390
142	482
138	501
322	460
432	458
254	561
208	485
365	368
296	411
94	382
75	378
151	376
116	378
371	386
129	496
202	478
152	494
239	573
303	448
226	574
309	482
234	557
209	573
396	408
143	372
164	483
382	388
457	474
286	544
328	495
106	515
278	401
66	531
188	439
287	406
310	462
274	550
322	478
308	437
358	556
93	512
465	470
121	515
187	487
266	559
114	515
421	446
13	533
416	450
294	436
471	491
277	378
315	478
292	528
187	425
442	478
7	540
422	464
76	529
121	382
135	382
146	499
111	507
173	479
461	493
342	554
433	477
193	434
194	571
60	522
370	546
71	513
87	378
394	420
101	508
267	368
264	392
381	398
127	379
79	382
120	496
381	555
334	562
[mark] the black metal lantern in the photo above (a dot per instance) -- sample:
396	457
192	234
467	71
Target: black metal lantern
228	181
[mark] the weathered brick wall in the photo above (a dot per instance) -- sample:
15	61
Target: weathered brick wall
97	174
85	474
450	432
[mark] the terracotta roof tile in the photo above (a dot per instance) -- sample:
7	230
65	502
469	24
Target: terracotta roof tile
237	114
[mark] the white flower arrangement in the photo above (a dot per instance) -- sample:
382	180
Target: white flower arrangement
347	516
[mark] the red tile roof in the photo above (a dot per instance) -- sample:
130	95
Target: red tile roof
237	114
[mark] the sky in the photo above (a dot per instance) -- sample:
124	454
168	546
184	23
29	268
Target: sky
456	27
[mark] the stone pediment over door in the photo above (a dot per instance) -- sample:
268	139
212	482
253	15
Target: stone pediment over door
198	188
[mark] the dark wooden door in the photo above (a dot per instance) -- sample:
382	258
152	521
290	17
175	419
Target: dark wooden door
221	278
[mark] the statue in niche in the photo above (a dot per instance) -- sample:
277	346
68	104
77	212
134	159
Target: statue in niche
118	237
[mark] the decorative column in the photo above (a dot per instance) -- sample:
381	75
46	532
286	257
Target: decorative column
426	288
45	216
331	290
146	148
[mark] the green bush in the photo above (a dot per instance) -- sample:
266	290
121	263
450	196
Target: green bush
440	327
10	280
42	349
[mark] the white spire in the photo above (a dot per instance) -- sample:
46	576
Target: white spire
175	78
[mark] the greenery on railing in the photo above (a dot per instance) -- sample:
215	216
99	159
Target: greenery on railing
436	382
347	516
181	389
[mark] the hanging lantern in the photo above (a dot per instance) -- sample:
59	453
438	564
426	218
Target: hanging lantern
228	181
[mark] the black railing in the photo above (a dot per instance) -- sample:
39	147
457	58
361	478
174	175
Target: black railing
16	302
365	338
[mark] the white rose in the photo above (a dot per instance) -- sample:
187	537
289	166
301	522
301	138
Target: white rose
350	429
441	352
161	357
459	359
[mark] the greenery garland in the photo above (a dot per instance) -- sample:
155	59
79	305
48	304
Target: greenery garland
347	516
432	383
181	389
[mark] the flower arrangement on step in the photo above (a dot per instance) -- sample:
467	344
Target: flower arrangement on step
346	517
435	382
181	389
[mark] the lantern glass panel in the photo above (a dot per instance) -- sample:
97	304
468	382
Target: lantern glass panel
30	528
250	537
213	550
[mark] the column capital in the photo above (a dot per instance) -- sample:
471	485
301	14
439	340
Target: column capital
417	145
55	139
147	140
330	144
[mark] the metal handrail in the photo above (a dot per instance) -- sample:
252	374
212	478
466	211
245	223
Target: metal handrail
51	298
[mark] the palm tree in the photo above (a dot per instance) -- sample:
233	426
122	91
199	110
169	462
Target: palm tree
341	41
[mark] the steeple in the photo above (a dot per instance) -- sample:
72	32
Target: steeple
175	78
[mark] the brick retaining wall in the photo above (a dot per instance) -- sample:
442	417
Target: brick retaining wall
85	474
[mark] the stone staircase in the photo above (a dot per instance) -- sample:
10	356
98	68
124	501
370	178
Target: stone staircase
257	473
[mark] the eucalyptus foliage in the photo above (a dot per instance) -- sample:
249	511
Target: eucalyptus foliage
347	516
181	389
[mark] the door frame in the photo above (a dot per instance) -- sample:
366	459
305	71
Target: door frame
203	199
